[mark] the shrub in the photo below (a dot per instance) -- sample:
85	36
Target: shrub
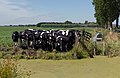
18	56
9	69
54	55
81	52
112	49
112	44
48	56
58	56
68	56
1	54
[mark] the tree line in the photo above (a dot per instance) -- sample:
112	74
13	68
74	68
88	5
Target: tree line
53	23
66	24
106	12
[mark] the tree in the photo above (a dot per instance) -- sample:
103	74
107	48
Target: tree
118	13
68	22
100	14
105	12
86	22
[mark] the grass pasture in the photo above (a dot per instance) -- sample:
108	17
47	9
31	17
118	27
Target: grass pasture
6	33
99	67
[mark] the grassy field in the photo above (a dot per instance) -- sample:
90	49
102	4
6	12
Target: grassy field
99	67
6	33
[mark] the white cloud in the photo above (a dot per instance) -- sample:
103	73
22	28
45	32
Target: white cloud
9	11
39	18
17	12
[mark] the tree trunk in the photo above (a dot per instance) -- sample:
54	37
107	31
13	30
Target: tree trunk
110	27
76	45
106	25
117	21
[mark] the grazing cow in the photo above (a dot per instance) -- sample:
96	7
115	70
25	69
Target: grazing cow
46	41
29	36
15	36
61	43
71	39
53	36
23	40
61	40
37	39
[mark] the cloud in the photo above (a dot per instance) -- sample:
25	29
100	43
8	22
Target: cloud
39	18
21	4
18	12
10	10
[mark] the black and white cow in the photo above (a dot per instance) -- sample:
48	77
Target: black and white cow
23	40
46	41
15	37
29	36
37	39
65	40
61	40
61	43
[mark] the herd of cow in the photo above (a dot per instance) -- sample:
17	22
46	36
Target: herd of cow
47	40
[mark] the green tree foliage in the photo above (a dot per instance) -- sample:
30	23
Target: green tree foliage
60	25
118	12
105	12
68	22
39	24
53	23
86	22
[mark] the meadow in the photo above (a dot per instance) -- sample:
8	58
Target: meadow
6	33
99	67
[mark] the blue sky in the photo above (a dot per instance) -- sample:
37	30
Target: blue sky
34	11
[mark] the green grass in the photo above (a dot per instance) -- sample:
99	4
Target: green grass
100	67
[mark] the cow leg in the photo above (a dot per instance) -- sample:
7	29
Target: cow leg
31	44
20	42
28	42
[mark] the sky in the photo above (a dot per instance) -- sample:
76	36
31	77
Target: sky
35	11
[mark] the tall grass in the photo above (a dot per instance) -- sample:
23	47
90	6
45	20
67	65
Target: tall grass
9	69
112	44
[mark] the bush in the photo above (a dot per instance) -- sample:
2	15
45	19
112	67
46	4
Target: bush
9	69
48	56
112	44
7	56
54	55
112	49
1	54
58	56
81	52
68	56
19	56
